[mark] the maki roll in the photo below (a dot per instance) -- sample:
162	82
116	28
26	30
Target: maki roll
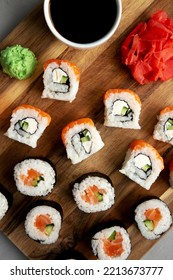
111	244
142	163
93	192
153	218
3	205
163	130
34	177
43	224
122	108
27	124
61	80
81	139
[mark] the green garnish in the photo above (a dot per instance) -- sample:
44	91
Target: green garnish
112	236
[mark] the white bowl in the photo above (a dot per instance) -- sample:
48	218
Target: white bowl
102	40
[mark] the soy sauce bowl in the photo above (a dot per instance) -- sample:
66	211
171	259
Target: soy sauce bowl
104	33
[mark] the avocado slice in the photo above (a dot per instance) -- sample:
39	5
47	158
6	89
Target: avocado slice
170	121
112	236
63	79
149	224
99	196
24	125
170	127
124	111
85	139
49	229
37	180
146	167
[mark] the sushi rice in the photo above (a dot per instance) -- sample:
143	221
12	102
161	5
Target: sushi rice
61	80
36	227
163	130
27	124
3	205
142	163
122	108
104	244
80	147
162	219
34	177
104	194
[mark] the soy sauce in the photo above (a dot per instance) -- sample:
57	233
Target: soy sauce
83	21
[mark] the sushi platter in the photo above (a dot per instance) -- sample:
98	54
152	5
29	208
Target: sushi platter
101	69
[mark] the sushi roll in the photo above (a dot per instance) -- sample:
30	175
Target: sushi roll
34	177
61	80
81	139
43	224
93	192
163	130
142	163
27	124
122	108
153	218
111	244
3	205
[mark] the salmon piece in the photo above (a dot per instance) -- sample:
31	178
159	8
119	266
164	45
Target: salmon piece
42	221
92	195
113	248
58	62
154	215
72	124
32	177
119	90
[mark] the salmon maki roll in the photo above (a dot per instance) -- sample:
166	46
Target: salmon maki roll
81	139
153	218
43	224
111	244
142	163
163	130
34	177
93	192
61	80
122	108
27	124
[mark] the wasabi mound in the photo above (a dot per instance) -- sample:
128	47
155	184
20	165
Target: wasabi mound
18	62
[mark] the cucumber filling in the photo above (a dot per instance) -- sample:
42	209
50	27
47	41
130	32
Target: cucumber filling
169	129
26	126
122	111
143	166
112	236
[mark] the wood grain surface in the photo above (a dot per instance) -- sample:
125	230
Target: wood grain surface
101	69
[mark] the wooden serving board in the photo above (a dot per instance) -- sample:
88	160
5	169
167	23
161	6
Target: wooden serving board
101	69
